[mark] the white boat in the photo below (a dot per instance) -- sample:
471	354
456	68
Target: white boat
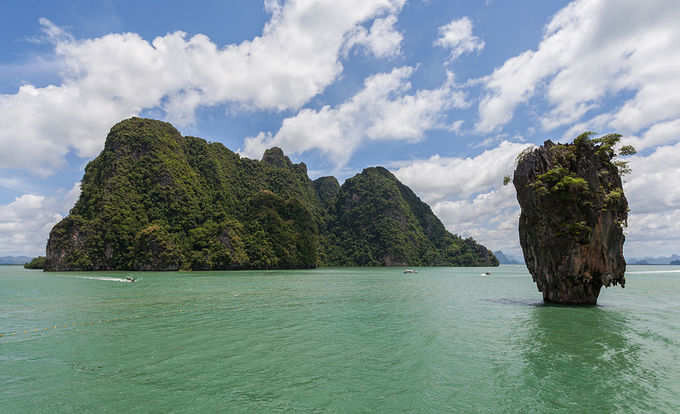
410	271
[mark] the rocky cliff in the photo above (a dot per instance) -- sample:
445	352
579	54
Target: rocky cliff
573	213
155	200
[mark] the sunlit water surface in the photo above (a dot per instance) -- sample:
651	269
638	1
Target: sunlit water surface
334	340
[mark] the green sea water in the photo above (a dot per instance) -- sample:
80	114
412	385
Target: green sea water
339	340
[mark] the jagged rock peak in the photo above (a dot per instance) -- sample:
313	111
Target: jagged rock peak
275	157
573	213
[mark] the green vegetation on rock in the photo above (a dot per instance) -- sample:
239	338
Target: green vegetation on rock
566	188
36	263
155	200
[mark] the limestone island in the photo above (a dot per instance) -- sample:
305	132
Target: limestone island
156	200
572	219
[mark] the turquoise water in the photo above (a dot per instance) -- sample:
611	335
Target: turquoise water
335	341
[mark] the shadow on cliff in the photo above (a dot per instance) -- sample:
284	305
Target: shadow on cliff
584	360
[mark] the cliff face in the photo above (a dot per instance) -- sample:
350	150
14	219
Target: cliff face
571	225
155	200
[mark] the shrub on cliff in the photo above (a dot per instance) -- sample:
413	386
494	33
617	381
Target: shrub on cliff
36	263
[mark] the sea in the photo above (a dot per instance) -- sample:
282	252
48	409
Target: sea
335	340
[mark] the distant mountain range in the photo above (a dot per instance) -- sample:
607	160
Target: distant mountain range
507	259
14	260
662	260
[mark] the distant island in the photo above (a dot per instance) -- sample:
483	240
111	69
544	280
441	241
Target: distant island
506	259
14	260
156	200
661	260
36	263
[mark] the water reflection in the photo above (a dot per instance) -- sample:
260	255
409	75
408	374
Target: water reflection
582	360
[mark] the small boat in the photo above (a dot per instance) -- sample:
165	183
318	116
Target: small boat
486	274
410	271
130	279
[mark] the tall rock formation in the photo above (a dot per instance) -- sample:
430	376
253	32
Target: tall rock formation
573	214
155	200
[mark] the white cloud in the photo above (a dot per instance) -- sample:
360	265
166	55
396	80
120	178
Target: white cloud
662	133
468	195
382	110
653	186
382	40
490	218
591	50
653	234
26	222
458	37
118	75
455	178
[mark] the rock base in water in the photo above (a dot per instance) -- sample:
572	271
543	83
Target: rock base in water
575	294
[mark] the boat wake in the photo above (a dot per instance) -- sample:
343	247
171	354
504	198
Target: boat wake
109	279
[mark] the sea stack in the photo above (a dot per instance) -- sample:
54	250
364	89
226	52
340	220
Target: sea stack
573	214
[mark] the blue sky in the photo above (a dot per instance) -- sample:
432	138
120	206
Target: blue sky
444	93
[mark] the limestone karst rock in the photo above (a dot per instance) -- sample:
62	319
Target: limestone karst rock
573	214
156	200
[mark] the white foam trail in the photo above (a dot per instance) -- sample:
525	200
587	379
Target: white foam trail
655	271
110	279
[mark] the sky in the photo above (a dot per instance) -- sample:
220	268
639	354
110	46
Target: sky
444	93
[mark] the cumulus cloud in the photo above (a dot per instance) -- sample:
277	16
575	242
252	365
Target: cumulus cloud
652	186
457	178
653	234
382	110
458	37
490	218
654	200
467	194
115	76
381	40
25	223
662	133
593	49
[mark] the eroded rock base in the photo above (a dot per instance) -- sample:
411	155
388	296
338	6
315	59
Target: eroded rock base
573	295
